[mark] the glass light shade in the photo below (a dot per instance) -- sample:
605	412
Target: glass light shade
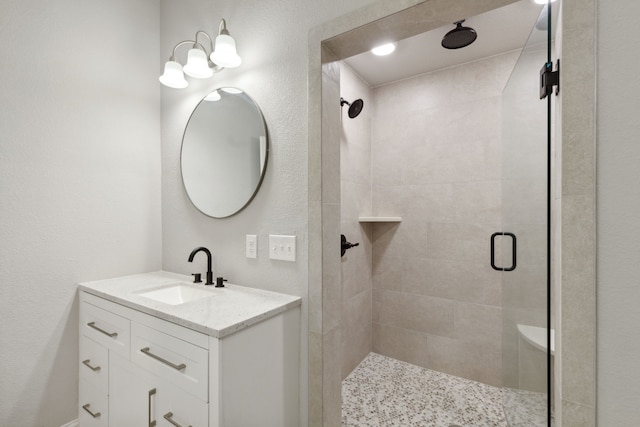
213	96
225	53
197	64
173	76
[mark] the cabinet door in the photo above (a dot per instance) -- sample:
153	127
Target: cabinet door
94	405
132	394
177	408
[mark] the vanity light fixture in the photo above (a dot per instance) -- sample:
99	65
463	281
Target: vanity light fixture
200	63
384	49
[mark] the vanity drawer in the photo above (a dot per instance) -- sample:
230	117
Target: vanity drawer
105	328
93	410
94	364
181	363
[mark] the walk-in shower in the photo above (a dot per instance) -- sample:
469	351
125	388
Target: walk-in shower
443	177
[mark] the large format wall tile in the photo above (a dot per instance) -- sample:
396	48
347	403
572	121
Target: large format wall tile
357	330
436	158
417	312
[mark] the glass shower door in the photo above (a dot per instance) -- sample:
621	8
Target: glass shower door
521	247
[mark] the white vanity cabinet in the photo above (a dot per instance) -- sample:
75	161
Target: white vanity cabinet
137	369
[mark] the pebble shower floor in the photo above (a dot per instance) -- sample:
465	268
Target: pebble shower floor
383	392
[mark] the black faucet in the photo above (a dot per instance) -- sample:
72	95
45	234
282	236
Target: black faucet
209	272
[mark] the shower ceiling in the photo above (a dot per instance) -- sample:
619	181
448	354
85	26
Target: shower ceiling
501	30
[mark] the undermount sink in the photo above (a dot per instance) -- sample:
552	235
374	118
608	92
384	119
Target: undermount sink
177	293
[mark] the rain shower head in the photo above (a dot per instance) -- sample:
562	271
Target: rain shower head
459	37
355	107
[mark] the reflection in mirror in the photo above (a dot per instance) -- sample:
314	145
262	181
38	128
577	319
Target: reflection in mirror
224	152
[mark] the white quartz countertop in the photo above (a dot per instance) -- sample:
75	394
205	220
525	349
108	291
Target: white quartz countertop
228	310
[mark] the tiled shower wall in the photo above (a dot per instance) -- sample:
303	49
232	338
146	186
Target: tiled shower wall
436	162
355	190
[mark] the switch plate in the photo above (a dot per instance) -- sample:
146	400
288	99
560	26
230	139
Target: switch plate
282	247
251	246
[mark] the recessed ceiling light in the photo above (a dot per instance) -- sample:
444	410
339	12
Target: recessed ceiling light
384	49
543	1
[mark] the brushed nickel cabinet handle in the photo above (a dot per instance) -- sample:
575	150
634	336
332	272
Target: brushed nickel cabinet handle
169	417
86	408
88	365
179	367
151	393
109	334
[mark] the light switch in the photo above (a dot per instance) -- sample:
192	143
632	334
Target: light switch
251	246
282	247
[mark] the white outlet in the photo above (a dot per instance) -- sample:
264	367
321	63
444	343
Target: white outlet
251	246
282	247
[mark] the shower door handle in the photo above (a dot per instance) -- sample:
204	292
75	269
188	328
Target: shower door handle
513	251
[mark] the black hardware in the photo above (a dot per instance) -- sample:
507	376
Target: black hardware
513	252
459	37
209	272
197	277
355	107
344	245
220	282
549	79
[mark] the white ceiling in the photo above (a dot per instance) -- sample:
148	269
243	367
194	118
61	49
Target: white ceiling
500	30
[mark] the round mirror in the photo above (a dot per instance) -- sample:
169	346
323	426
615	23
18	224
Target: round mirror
224	152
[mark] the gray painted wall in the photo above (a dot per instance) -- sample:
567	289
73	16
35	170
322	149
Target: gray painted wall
79	182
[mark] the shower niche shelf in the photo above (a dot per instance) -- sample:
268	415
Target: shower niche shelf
380	219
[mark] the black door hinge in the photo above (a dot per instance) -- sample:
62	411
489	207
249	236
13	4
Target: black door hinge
549	79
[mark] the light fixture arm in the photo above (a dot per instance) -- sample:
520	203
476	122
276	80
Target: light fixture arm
216	68
222	28
182	43
208	37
